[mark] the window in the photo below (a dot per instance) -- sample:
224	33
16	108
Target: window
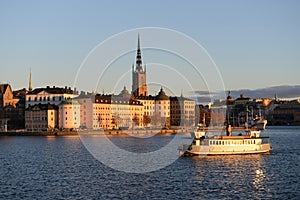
29	99
53	98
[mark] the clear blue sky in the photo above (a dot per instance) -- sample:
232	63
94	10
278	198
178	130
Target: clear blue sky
254	43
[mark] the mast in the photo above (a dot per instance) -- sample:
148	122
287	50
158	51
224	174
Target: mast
246	118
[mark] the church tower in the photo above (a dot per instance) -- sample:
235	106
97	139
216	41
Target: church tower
139	86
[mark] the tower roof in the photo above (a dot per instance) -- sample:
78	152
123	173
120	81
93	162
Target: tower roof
139	56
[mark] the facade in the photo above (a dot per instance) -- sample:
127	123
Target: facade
101	115
86	110
149	104
117	111
286	113
54	95
41	117
69	114
161	115
6	96
182	111
139	86
11	109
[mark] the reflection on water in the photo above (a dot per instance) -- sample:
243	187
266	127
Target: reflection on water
62	168
259	179
232	174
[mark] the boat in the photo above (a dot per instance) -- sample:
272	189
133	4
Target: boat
259	123
249	142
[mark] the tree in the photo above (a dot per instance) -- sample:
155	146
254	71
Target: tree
146	120
136	120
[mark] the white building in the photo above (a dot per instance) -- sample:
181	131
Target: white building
86	110
54	95
69	114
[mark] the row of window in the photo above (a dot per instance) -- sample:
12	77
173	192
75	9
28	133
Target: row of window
231	142
48	98
37	118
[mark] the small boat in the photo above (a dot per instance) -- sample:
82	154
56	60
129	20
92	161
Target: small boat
250	142
259	123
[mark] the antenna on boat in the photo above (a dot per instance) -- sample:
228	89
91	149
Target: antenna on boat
246	123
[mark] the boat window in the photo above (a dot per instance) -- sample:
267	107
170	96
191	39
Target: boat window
253	141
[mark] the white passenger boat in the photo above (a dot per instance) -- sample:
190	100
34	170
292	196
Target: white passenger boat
250	142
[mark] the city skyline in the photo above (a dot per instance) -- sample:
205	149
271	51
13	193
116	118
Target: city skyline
254	44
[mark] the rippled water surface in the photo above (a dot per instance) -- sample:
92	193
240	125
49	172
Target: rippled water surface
62	168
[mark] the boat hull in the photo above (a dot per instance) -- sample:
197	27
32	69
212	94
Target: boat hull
223	152
210	150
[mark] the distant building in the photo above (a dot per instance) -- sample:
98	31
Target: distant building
286	113
117	111
11	109
182	111
86	110
41	117
52	95
6	96
69	114
161	115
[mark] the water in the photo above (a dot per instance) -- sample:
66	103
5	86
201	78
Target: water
62	168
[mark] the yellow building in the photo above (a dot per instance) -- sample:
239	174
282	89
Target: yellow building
117	111
41	117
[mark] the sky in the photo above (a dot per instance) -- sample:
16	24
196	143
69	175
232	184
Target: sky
253	44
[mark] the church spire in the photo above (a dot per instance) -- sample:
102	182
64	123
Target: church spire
139	67
30	82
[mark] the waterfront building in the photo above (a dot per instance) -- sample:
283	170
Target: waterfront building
7	97
69	114
286	113
86	110
11	109
52	95
41	117
182	111
117	111
161	115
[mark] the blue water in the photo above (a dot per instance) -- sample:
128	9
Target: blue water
62	168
